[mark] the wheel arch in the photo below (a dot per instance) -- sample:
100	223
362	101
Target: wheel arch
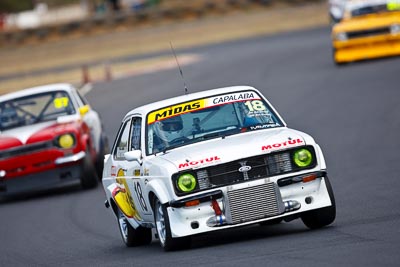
113	206
158	190
151	197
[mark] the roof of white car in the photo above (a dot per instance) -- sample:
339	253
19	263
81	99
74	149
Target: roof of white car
188	97
38	89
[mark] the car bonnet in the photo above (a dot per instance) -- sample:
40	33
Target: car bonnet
219	150
22	134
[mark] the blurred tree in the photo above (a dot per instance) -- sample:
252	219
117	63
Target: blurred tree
153	2
11	6
115	4
57	3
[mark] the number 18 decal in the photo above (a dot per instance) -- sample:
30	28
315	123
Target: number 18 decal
255	105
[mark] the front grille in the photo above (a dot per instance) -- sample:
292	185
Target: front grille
247	169
252	203
261	167
26	149
366	33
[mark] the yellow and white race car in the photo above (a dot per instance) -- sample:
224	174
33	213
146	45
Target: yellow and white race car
210	161
369	29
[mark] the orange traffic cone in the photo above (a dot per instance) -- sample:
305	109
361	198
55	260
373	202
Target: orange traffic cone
107	72
85	75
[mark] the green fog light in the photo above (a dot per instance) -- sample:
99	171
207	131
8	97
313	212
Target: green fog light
186	182
302	157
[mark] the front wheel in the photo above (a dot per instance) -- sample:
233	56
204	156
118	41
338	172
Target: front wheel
164	229
133	237
321	217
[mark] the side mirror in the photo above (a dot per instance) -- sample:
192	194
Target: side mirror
135	155
83	110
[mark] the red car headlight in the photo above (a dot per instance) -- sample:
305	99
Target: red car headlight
66	141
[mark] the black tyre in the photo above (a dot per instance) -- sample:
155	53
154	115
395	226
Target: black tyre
132	237
334	56
164	230
89	177
103	150
315	219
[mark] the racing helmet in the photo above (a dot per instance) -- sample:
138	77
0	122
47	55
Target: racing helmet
169	129
8	117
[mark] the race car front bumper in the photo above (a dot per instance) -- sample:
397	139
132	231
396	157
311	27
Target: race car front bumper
246	203
70	159
366	48
68	171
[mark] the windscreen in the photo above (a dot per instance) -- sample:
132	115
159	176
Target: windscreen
34	109
208	118
371	7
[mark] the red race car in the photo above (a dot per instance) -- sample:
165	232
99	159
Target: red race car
49	137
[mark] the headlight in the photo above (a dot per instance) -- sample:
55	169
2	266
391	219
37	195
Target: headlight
393	5
395	29
341	36
303	157
65	141
186	182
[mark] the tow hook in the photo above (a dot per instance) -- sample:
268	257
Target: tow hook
216	221
292	205
219	218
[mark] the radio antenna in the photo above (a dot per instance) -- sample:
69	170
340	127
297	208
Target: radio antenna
179	66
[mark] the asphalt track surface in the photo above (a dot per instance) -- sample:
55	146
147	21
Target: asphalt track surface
352	111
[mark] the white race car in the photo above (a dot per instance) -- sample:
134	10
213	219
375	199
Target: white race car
209	161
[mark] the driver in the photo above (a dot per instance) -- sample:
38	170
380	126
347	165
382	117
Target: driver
8	117
167	131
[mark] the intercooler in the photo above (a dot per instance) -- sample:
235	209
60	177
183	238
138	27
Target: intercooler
253	203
